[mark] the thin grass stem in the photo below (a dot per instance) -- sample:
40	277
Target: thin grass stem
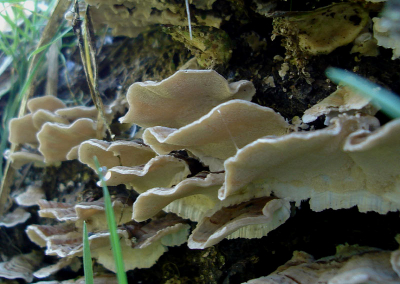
112	226
87	257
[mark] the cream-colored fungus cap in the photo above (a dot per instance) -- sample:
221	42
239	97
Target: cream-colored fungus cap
56	140
219	134
333	167
343	100
350	265
250	219
182	98
21	266
189	199
31	196
23	130
161	171
21	158
117	153
11	219
141	244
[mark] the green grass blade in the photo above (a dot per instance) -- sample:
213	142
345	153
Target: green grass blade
12	1
386	100
112	226
40	49
87	257
14	26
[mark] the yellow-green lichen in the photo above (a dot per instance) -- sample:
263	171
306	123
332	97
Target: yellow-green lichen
210	46
322	30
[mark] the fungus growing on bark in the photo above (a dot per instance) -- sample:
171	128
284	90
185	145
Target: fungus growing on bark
21	266
182	98
21	158
254	218
56	140
337	167
14	218
112	154
55	129
141	244
161	171
343	100
22	130
92	212
386	37
31	196
46	271
350	265
217	135
189	199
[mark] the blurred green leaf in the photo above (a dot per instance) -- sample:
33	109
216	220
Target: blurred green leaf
388	102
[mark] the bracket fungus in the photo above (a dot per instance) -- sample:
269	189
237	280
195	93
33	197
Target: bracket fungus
14	218
46	271
50	103
141	244
250	219
385	36
217	135
92	212
21	266
337	167
256	167
112	154
20	158
161	171
97	279
343	100
189	199
350	265
182	98
31	196
56	140
54	128
23	130
58	210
